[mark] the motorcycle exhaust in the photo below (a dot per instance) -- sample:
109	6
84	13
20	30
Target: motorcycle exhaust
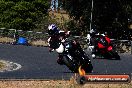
81	71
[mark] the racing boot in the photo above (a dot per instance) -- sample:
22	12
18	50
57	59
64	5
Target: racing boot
93	53
93	56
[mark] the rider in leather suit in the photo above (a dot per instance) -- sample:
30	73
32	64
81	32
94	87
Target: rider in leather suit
56	35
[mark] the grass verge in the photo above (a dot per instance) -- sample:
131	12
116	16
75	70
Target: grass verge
39	43
6	40
2	65
58	84
34	42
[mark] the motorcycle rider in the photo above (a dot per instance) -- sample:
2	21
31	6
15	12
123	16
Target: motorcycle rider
92	38
56	35
60	36
92	41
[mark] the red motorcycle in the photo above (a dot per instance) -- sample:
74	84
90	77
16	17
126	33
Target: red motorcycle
104	48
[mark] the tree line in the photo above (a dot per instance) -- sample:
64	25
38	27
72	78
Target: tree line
107	15
22	14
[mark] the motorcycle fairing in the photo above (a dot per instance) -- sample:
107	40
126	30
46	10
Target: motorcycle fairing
108	39
100	46
109	48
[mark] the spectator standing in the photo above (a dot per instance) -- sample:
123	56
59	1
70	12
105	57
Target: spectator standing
54	5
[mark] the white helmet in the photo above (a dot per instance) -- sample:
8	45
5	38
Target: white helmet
52	29
92	31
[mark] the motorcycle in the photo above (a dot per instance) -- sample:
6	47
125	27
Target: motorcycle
104	47
73	57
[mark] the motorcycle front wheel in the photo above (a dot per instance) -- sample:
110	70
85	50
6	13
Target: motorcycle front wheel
87	67
114	55
71	65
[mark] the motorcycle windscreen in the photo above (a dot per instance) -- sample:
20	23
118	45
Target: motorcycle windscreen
102	40
108	40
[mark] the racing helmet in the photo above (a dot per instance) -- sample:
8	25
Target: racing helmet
52	29
93	32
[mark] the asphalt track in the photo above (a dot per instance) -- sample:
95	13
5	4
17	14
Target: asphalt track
38	63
